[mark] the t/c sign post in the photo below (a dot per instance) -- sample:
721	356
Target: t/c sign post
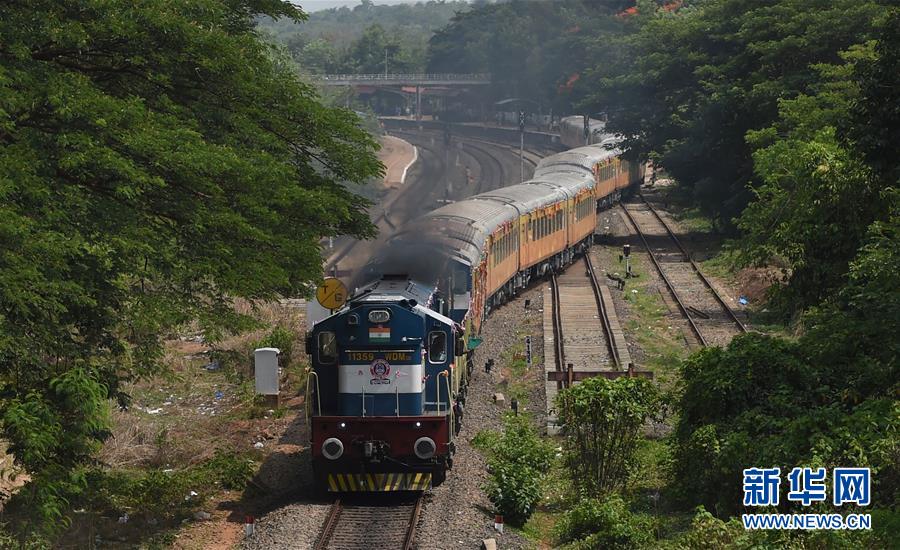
331	294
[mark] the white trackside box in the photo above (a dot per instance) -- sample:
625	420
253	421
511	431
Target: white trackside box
265	362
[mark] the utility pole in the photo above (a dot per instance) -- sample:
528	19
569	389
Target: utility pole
521	145
385	63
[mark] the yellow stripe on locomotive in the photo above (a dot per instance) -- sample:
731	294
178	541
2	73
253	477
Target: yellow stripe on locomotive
382	482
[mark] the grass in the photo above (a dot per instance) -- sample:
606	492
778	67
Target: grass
692	219
646	321
722	265
556	488
650	474
182	420
515	370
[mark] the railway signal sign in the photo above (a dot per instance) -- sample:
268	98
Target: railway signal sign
522	121
331	294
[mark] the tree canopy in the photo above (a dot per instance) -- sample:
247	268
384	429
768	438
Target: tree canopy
156	160
688	84
354	40
530	48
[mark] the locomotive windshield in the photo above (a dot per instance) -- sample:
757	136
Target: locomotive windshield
437	347
327	348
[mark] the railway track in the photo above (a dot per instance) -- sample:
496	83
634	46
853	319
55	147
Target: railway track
401	205
493	175
582	334
406	202
710	319
362	527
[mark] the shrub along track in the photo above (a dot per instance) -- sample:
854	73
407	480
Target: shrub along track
711	320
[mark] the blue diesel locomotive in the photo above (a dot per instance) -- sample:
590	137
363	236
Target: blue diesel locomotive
383	418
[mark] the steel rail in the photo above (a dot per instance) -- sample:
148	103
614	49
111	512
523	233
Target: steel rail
601	309
531	157
413	523
492	172
662	274
695	267
330	524
557	330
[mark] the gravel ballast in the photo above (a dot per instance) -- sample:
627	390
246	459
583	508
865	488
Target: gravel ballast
458	514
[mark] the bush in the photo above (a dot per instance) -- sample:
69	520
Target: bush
760	401
166	495
232	471
602	420
518	460
515	490
282	339
708	532
603	524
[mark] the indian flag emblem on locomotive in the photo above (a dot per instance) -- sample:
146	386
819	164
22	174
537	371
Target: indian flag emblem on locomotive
379	334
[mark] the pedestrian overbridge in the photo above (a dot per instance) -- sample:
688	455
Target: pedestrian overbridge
424	79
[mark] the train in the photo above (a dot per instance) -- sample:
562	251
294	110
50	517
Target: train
387	387
572	134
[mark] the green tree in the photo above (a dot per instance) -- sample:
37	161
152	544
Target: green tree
874	123
372	50
529	47
319	56
602	420
156	160
821	190
687	85
517	460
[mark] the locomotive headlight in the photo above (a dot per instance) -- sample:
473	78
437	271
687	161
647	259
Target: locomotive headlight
332	449
343	425
379	316
424	448
418	424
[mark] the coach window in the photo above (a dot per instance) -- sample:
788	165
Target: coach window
327	348
437	347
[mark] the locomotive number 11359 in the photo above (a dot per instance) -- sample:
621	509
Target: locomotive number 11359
371	356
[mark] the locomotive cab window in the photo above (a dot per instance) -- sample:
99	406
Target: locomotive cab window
437	347
327	348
